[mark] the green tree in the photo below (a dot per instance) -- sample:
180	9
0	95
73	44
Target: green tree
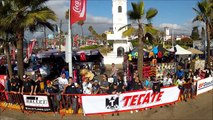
81	23
25	15
67	14
204	13
143	32
195	33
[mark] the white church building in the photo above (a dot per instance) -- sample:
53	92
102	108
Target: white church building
120	43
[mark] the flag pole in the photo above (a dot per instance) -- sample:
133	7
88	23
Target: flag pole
69	43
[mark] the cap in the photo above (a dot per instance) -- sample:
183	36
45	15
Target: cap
95	80
48	81
115	83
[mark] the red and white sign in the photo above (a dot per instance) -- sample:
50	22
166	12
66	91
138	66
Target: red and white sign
97	104
2	82
78	10
204	85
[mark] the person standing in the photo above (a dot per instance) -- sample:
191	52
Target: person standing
39	85
27	85
71	89
104	84
120	82
114	71
87	86
51	90
137	85
62	81
147	84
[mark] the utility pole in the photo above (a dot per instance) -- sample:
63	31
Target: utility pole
60	35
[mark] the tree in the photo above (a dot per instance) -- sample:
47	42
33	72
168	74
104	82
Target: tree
67	14
81	23
7	38
204	13
195	33
144	31
25	15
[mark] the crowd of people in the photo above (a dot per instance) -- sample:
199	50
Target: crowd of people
113	83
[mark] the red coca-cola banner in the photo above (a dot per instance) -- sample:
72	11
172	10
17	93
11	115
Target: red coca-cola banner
77	10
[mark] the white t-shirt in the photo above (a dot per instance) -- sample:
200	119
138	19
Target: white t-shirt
165	81
62	82
196	79
180	82
87	88
169	81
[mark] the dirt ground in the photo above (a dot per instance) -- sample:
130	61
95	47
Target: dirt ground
200	108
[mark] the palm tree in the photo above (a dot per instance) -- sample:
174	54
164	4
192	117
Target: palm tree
67	14
144	30
7	38
6	45
25	15
204	13
81	23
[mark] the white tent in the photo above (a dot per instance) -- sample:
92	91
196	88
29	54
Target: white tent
180	50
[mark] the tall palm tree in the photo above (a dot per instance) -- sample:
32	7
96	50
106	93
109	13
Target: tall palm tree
67	14
138	14
7	38
6	45
81	23
25	15
204	13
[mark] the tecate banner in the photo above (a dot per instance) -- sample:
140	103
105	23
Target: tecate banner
204	85
37	103
128	101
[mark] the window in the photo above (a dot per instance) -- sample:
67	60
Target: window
119	9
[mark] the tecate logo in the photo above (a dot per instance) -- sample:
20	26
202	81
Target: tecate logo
78	6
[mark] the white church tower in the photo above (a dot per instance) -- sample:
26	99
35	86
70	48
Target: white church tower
119	14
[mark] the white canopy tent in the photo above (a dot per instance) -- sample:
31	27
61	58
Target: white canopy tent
180	50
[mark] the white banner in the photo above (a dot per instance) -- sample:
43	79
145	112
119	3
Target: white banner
204	85
128	101
36	101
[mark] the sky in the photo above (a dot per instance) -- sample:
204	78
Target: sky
176	14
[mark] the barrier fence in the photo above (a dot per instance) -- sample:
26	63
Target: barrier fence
96	104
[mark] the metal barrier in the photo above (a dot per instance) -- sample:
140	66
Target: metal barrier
58	103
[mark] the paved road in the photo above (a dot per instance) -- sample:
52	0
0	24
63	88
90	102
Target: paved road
200	108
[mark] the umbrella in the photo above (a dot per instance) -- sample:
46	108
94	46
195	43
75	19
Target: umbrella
195	51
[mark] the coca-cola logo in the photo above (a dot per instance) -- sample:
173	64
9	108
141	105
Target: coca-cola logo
77	6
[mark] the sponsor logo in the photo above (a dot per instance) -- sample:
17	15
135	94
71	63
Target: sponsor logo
135	100
36	100
205	85
112	103
79	7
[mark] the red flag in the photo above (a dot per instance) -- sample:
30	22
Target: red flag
30	47
77	11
